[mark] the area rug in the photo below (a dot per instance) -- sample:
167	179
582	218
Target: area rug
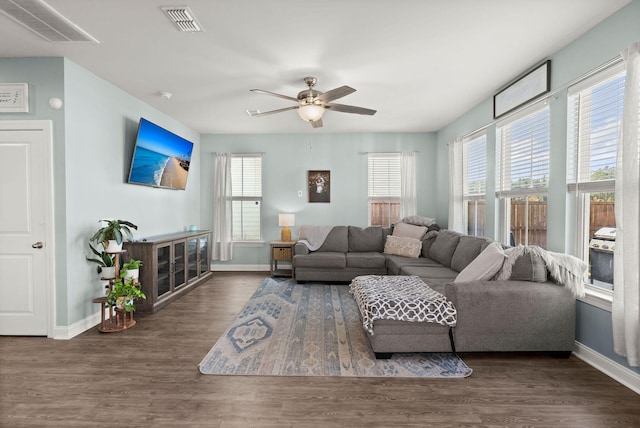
289	329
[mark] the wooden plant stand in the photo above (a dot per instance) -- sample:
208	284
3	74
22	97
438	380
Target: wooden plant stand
119	319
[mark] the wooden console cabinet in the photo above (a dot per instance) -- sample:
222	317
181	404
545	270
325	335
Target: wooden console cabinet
173	264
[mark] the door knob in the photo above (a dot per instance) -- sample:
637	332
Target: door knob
37	245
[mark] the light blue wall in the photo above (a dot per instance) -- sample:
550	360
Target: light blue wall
596	47
93	139
286	160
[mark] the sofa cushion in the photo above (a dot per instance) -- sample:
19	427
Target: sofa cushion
467	250
403	246
321	259
431	275
409	230
444	246
365	260
428	239
485	266
368	239
336	241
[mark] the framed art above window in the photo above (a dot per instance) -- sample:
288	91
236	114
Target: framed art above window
526	88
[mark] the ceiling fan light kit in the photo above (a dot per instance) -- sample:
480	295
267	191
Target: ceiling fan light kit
311	103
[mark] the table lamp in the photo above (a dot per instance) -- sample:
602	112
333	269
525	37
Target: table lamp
284	221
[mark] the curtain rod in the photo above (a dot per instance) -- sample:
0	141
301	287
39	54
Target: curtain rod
387	153
588	74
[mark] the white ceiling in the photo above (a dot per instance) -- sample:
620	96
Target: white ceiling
420	63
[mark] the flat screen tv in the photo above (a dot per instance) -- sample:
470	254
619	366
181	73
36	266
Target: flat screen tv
160	158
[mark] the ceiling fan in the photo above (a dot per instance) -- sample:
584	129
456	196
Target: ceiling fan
312	103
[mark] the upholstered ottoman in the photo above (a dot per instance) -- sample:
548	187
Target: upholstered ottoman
402	314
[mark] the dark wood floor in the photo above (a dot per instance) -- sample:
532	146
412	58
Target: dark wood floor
148	376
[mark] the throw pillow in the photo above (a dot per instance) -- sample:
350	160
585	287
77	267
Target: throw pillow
403	246
485	266
409	230
419	220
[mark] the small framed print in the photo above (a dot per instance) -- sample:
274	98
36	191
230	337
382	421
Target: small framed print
14	98
530	86
319	185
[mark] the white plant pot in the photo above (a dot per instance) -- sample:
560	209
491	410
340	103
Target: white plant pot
132	274
113	246
108	272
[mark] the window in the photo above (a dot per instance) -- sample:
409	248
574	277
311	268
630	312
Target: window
384	189
594	122
523	174
474	183
246	197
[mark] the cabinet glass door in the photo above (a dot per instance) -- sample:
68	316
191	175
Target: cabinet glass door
179	274
192	258
204	254
164	269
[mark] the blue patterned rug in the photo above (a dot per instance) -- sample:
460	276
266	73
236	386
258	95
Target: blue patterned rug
289	329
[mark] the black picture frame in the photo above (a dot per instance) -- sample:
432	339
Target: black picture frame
319	185
524	89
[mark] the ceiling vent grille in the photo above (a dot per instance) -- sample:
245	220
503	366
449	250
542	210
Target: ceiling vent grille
44	20
183	18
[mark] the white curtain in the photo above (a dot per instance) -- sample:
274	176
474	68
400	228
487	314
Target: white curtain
222	214
626	293
456	182
408	204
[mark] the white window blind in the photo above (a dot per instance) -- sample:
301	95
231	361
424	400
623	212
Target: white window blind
524	152
384	175
594	122
246	195
475	166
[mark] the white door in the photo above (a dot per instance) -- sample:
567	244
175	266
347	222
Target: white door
26	243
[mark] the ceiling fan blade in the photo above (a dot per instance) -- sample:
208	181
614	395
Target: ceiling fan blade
350	109
336	93
286	97
258	113
316	124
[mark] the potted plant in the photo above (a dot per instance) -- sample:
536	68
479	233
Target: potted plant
124	293
113	234
105	262
132	269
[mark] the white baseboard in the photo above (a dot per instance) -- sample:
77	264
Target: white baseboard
240	268
614	370
69	332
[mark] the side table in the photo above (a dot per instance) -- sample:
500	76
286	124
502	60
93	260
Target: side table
281	251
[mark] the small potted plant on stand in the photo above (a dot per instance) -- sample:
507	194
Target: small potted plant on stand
113	234
122	296
105	261
132	269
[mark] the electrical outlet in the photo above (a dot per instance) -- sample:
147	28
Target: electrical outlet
299	193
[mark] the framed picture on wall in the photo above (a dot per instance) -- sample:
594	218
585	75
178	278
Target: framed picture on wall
319	185
14	98
526	88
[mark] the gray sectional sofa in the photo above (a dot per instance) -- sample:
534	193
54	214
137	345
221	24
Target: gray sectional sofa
527	312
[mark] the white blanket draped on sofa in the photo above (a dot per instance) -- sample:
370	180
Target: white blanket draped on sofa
313	236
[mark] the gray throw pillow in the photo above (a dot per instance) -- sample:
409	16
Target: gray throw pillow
529	267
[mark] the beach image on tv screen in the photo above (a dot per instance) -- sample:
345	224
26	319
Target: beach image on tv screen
161	158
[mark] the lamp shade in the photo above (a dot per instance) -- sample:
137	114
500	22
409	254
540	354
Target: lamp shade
286	220
311	112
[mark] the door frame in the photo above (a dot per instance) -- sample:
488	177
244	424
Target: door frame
46	126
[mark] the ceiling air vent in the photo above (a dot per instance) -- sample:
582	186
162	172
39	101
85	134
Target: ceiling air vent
44	20
184	18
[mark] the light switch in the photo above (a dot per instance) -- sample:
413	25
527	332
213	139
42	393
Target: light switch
299	193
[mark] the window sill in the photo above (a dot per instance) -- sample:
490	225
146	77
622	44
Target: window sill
249	243
597	297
